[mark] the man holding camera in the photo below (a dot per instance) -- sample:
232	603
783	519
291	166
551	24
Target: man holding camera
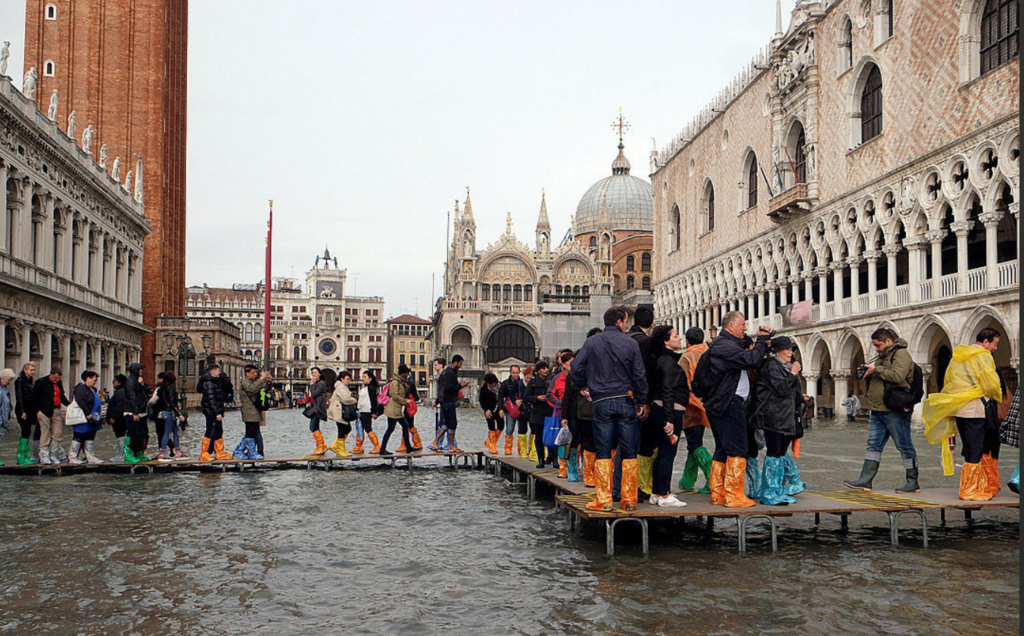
729	361
894	368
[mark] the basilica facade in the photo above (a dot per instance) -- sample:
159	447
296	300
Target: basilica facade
867	161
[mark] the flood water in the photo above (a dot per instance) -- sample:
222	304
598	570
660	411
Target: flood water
379	551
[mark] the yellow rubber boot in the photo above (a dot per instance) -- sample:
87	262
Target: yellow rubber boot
339	447
646	465
532	447
524	448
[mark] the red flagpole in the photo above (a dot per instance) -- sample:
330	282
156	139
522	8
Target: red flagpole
266	291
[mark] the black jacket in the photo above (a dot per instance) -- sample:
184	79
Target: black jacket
115	408
169	400
669	384
488	400
448	386
539	409
512	390
575	405
776	400
214	400
135	395
24	407
43	395
85	398
374	392
726	360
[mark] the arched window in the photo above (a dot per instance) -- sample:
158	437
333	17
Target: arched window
646	283
645	262
748	182
871	106
630	282
708	212
630	263
528	293
510	341
517	293
800	157
485	292
49	68
677	228
51	12
999	32
846	45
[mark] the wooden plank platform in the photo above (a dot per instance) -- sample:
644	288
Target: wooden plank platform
574	496
326	462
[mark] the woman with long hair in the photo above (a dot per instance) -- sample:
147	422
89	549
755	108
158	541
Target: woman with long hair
317	409
172	417
369	410
669	396
557	400
341	398
490	404
394	410
776	408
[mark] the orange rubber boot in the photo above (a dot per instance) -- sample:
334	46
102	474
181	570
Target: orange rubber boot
603	502
735	470
492	442
589	474
508	444
358	448
717	483
321	445
563	468
973	484
219	452
414	435
204	451
374	441
991	467
630	483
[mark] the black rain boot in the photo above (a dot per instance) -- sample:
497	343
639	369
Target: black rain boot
867	475
541	451
911	486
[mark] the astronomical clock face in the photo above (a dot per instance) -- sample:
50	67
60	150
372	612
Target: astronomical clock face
328	347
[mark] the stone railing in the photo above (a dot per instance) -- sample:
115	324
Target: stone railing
1008	273
977	280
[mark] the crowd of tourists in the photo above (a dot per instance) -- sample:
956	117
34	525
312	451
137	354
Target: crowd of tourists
611	413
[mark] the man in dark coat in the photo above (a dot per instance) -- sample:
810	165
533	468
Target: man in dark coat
51	402
136	403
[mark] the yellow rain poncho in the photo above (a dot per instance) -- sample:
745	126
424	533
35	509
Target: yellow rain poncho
971	375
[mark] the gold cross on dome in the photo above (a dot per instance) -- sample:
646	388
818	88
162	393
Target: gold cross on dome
620	125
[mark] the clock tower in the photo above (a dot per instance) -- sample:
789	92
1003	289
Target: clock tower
325	284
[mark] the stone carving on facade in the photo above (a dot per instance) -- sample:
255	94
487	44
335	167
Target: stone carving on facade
115	173
87	136
138	180
128	182
908	194
52	110
72	124
103	156
796	60
5	53
28	88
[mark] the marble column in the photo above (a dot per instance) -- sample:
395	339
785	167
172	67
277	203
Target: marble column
65	352
26	347
4	172
854	264
962	230
935	238
890	254
872	258
812	388
838	269
991	221
46	348
841	379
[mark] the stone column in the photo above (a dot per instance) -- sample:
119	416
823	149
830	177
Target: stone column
26	349
837	286
991	221
38	234
3	330
46	346
65	352
69	246
19	237
854	264
872	258
961	230
890	253
783	301
935	238
760	303
812	388
773	307
823	285
4	172
794	290
841	379
916	270
809	286
47	260
95	260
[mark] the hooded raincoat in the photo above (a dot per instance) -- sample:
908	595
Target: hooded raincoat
971	376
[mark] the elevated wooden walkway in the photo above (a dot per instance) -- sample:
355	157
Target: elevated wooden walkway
574	496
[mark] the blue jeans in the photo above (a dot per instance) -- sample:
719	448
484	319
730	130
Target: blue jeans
170	427
615	421
510	425
886	424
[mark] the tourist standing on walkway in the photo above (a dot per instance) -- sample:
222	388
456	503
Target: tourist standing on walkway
969	400
894	368
643	323
573	406
172	417
316	410
411	408
511	394
695	419
1009	434
557	400
394	410
84	433
724	386
115	416
449	392
852	405
26	412
540	409
369	410
48	396
135	404
214	405
610	365
776	408
342	411
489	400
6	405
251	387
670	394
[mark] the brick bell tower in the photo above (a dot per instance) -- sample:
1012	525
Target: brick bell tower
121	65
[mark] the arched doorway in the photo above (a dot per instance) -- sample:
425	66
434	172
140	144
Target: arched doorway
511	340
985	318
462	344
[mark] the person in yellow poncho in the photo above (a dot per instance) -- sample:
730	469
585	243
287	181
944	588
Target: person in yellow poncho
970	379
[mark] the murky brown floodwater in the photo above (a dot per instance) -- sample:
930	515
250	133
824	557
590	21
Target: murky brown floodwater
372	551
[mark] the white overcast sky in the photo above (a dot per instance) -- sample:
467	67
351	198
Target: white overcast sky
364	121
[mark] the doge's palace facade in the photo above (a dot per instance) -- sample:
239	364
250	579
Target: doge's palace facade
867	160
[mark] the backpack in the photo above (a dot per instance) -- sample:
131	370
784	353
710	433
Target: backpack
704	383
262	401
898	399
384	396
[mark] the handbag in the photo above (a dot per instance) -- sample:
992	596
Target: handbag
511	409
552	426
309	412
349	412
411	408
75	415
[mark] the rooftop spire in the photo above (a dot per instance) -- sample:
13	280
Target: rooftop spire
467	209
621	164
778	19
542	220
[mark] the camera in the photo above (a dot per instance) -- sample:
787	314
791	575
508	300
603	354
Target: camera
862	371
766	332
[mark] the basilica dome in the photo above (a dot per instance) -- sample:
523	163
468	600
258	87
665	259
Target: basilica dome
630	201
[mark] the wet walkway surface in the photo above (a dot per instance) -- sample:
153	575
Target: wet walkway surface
367	550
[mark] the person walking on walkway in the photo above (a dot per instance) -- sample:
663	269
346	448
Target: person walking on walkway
6	406
369	410
250	399
449	392
650	433
135	403
725	388
575	406
969	400
115	417
852	405
610	365
26	413
894	368
411	408
511	394
342	405
776	408
172	417
84	433
48	396
695	420
557	400
317	409
394	410
214	405
670	394
1009	434
540	410
489	400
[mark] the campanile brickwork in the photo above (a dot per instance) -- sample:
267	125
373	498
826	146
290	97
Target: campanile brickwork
122	66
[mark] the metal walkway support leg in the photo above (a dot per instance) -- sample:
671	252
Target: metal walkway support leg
610	524
742	527
531	486
894	526
408	463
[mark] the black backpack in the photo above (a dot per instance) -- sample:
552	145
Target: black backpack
898	399
704	382
262	401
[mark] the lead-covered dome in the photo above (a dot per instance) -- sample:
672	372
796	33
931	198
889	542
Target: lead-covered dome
630	201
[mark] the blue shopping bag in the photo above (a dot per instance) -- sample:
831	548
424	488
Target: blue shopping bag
552	425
